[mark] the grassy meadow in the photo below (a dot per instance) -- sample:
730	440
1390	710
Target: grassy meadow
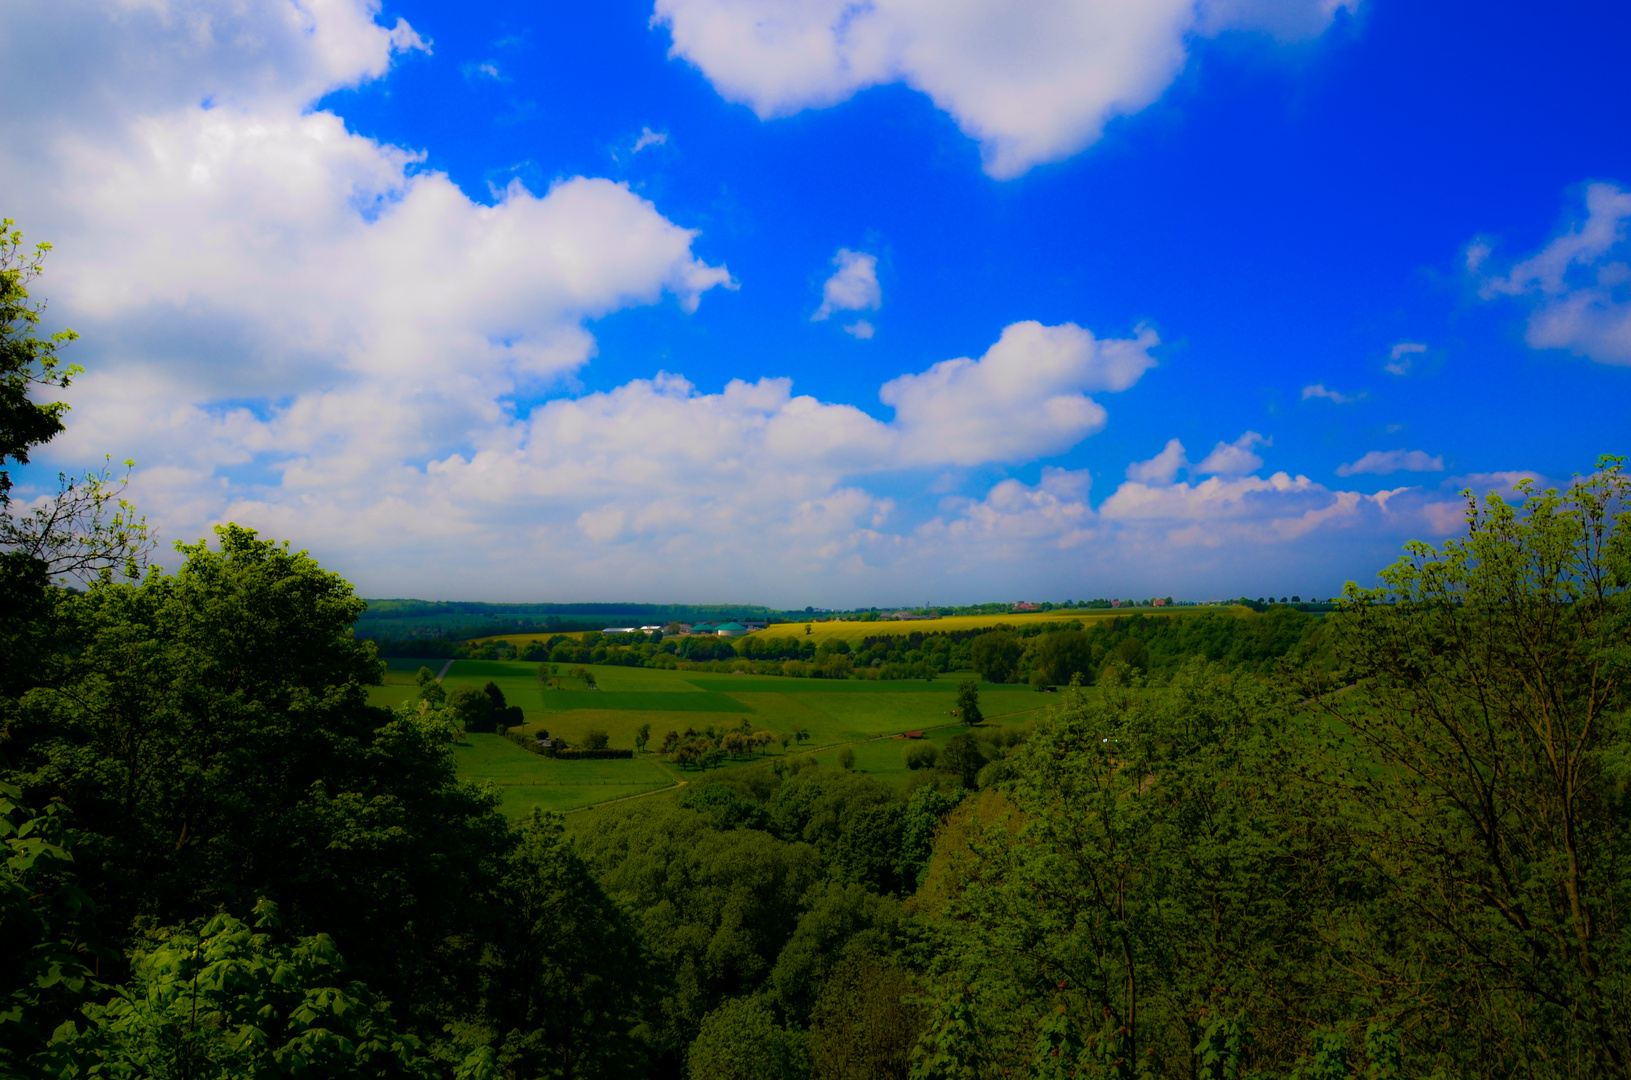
832	713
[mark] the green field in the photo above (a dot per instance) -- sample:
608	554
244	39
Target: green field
832	713
639	701
526	780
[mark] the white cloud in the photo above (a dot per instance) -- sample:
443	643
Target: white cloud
1032	82
1318	390
1025	398
302	330
484	69
1399	359
1230	459
1162	468
1579	285
1383	462
854	287
861	329
649	138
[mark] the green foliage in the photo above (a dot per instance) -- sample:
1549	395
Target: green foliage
996	656
865	1023
231	1001
43	947
565	978
1063	654
925	812
26	361
210	734
846	758
963	759
742	1041
595	739
469	709
968	702
1489	772
919	755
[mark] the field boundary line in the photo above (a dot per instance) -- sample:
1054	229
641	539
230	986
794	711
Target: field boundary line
678	783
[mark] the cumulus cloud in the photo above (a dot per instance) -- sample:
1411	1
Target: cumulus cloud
1577	287
1025	398
1383	462
1031	82
304	330
1162	468
853	287
1318	390
1230	459
1226	511
861	329
1399	358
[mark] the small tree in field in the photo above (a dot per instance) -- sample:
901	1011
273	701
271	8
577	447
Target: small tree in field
968	702
642	735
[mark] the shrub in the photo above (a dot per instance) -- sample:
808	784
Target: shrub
846	758
595	739
920	755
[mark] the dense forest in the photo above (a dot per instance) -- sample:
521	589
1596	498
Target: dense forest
1397	852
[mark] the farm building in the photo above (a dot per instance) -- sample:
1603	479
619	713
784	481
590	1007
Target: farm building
731	629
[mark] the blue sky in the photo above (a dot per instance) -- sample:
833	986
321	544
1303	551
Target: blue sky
518	302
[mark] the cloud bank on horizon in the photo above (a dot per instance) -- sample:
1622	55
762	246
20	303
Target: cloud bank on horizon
321	333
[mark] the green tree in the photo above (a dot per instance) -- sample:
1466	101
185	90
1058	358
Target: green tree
1137	877
996	656
642	735
742	1041
1062	654
430	688
963	759
231	1001
1486	772
211	735
846	758
44	947
469	709
566	980
595	739
1132	654
87	529
26	361
968	702
714	906
866	1022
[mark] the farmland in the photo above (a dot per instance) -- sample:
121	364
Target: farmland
855	630
830	713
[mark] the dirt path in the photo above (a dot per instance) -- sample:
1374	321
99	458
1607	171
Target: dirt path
445	669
